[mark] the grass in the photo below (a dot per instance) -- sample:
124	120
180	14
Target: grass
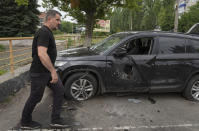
2	48
2	72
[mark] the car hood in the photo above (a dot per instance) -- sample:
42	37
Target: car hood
75	53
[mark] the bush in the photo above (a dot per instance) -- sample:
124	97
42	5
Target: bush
70	41
2	72
2	48
57	32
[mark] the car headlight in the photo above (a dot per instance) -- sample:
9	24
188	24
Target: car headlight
60	63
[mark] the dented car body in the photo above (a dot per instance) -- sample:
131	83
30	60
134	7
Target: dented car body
132	62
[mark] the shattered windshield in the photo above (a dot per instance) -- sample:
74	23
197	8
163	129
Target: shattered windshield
108	43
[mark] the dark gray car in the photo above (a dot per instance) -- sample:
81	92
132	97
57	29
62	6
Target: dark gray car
133	62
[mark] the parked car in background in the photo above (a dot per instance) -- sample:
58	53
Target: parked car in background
145	61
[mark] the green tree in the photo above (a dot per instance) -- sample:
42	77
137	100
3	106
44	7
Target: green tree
145	17
119	20
87	11
124	19
166	15
151	9
188	19
18	20
67	27
22	2
153	13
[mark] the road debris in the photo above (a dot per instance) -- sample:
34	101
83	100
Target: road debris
151	100
136	101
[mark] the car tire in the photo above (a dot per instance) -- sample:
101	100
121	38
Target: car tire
80	86
191	92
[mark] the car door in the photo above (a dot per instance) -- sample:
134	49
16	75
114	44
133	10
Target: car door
129	72
169	64
192	57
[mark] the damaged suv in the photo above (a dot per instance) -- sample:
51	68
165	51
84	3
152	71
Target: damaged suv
133	62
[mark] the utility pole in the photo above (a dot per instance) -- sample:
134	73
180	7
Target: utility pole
176	16
131	17
72	28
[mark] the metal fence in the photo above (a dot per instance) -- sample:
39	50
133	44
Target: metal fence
16	55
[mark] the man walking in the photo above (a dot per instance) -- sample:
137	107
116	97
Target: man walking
42	73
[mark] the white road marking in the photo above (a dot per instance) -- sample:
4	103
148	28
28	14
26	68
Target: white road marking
138	127
120	128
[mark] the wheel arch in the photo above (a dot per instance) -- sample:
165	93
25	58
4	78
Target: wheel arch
85	69
193	74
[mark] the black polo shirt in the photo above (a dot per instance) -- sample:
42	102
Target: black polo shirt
44	37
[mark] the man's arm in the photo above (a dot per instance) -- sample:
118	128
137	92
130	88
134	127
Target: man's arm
45	60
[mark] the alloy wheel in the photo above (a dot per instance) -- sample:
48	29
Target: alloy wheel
82	89
195	90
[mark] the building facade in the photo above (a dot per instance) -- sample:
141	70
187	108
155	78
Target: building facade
184	5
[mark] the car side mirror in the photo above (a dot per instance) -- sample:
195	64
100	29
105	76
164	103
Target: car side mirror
120	52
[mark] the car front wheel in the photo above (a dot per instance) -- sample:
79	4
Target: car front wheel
80	86
192	90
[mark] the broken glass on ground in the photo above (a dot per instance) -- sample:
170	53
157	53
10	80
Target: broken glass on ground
136	101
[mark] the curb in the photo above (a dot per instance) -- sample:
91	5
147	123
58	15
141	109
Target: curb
10	84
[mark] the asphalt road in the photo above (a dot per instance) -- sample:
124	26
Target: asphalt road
121	112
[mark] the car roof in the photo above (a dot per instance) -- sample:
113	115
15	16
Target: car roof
159	33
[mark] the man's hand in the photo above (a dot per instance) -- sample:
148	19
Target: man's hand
54	77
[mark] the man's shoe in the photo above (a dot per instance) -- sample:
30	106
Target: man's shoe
30	125
58	123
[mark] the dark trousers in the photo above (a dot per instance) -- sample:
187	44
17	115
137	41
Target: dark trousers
38	83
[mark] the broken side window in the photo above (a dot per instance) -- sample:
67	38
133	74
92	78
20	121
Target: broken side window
139	46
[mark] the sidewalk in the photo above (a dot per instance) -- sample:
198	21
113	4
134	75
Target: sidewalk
10	111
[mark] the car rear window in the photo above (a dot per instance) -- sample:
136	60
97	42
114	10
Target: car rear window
171	45
193	46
